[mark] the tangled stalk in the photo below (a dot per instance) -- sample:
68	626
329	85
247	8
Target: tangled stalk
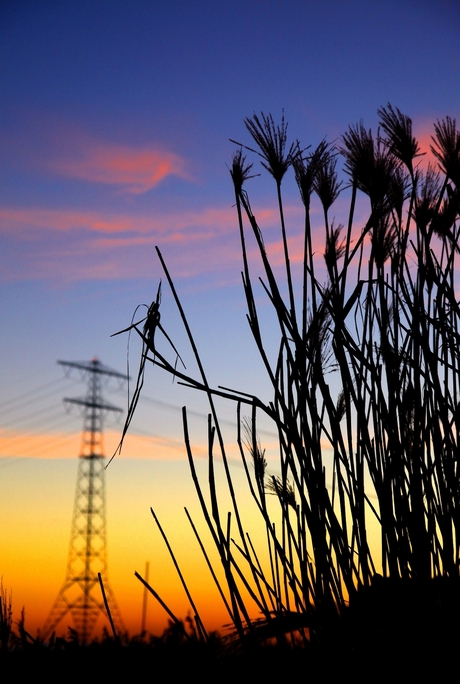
366	383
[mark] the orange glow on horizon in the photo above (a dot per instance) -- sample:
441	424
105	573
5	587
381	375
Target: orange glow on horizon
17	444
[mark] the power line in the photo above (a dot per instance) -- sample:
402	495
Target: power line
28	397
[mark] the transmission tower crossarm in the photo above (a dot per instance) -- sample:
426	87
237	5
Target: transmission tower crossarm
94	366
103	405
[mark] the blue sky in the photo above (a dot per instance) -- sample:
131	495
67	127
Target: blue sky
115	119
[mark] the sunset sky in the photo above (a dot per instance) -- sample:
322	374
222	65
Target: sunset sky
115	119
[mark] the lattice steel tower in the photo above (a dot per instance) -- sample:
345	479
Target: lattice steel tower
80	595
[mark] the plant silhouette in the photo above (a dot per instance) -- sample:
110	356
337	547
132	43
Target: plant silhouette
366	395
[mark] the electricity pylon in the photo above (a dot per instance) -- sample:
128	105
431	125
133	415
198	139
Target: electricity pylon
81	595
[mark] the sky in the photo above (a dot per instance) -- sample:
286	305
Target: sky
115	120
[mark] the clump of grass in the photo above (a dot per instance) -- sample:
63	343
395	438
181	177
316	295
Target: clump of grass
6	616
366	385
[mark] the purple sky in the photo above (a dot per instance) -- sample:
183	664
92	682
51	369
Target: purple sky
115	119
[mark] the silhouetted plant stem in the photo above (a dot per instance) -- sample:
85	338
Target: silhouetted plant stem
161	602
209	564
107	608
365	385
200	626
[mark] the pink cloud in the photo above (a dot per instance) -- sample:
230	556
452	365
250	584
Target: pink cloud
16	221
67	149
137	171
48	243
187	225
117	246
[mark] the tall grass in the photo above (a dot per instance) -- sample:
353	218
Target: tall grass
367	369
6	616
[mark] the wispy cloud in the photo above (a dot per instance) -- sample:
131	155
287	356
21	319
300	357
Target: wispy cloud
172	226
80	245
133	170
89	245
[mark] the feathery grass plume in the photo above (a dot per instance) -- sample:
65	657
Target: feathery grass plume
283	490
326	184
426	202
359	155
253	445
446	148
400	141
341	406
383	239
369	165
399	190
335	250
240	171
272	142
443	221
318	333
306	169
